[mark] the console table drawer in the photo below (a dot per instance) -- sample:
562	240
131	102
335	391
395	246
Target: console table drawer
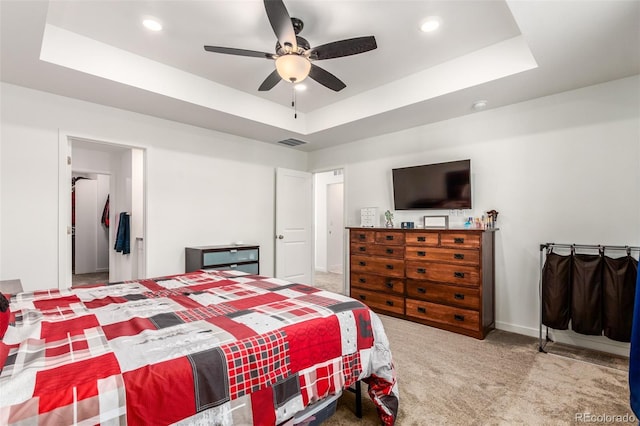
377	283
377	250
378	301
436	254
221	257
448	315
376	265
464	297
455	274
464	240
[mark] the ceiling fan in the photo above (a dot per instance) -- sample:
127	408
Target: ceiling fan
294	56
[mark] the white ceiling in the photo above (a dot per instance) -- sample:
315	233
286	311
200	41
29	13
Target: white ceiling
501	51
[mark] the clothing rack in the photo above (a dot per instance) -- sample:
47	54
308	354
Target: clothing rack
573	247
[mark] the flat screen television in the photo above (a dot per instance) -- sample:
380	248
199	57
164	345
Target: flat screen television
433	186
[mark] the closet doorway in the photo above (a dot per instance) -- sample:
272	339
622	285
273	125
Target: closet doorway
329	230
100	183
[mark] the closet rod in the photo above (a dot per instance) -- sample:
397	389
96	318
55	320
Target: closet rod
588	246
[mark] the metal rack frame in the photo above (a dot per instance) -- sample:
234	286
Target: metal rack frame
548	246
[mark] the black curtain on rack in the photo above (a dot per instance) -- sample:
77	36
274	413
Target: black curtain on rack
619	292
586	294
556	294
592	292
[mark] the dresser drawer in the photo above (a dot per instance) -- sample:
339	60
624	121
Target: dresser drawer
464	240
388	267
449	315
422	238
463	297
377	250
455	274
390	237
379	301
250	268
437	254
360	236
377	283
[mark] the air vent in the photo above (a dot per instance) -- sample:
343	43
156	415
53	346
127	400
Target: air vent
291	142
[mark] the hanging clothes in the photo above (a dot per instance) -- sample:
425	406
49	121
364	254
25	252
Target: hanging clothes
105	214
123	236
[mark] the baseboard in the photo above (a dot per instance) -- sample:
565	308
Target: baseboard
102	269
598	343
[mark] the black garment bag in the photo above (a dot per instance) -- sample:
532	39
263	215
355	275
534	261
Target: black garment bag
619	290
556	291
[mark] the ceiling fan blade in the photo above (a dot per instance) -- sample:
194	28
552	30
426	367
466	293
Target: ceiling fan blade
270	81
347	47
325	78
239	52
281	23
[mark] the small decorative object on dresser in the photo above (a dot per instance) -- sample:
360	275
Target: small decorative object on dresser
368	217
245	258
436	222
388	217
442	278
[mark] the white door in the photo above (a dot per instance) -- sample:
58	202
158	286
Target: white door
293	225
335	227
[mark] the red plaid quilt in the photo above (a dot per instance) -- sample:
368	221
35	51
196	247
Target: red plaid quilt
199	348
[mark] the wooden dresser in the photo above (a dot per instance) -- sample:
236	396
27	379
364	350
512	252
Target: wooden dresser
440	277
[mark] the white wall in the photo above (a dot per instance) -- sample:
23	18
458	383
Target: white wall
203	187
563	168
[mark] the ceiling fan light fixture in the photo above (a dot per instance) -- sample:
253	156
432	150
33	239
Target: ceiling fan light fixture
293	68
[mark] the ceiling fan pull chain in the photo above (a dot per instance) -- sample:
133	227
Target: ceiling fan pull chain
294	103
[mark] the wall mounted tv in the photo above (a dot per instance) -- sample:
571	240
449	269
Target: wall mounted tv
433	186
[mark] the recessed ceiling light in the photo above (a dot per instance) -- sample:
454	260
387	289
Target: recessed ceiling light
152	24
432	23
477	105
300	87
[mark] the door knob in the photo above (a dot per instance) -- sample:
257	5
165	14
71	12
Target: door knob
280	237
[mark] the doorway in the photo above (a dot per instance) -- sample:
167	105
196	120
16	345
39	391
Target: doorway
108	183
329	230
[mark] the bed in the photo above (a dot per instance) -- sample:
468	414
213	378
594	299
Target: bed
207	347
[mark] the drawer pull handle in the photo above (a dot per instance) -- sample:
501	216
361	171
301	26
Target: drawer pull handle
422	290
389	266
458	274
363	297
233	251
458	296
458	317
389	251
389	303
389	284
362	248
422	239
389	237
363	263
422	253
363	280
458	240
422	310
421	271
458	256
362	236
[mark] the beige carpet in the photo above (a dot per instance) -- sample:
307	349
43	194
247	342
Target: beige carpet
449	379
329	281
